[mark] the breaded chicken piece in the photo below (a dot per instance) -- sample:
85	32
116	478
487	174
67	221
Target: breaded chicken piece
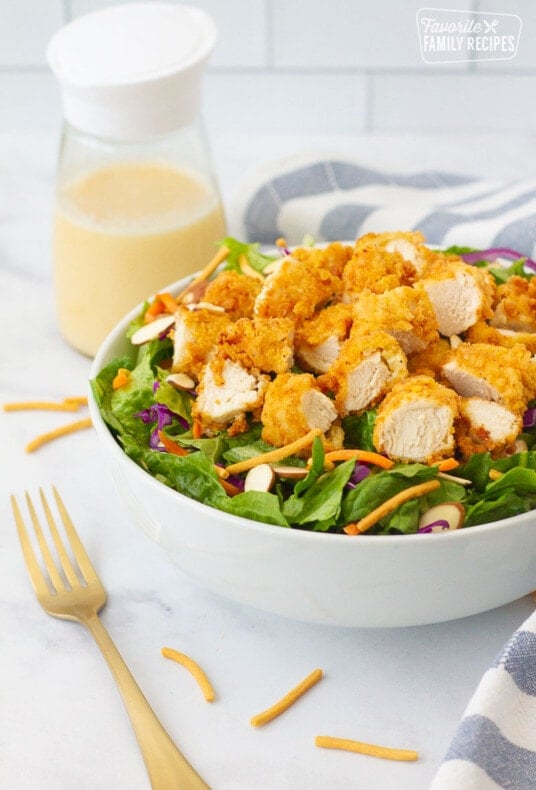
516	305
403	312
460	294
332	257
297	289
373	268
415	421
235	292
486	426
482	332
430	361
196	334
503	375
410	245
226	392
319	339
370	363
293	406
263	343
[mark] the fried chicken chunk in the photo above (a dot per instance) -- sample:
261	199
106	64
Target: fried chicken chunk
460	294
415	421
319	339
226	392
403	312
293	406
374	269
486	426
482	332
503	375
297	289
235	292
263	343
516	305
196	334
370	363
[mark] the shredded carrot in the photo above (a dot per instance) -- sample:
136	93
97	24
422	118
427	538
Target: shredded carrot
197	429
168	301
205	273
494	474
289	699
360	455
389	505
194	669
56	433
122	378
386	753
273	455
155	308
448	465
247	268
170	445
229	488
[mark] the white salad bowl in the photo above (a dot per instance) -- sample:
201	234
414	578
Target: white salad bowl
340	580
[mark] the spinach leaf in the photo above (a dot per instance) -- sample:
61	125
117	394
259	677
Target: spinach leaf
257	505
322	500
358	430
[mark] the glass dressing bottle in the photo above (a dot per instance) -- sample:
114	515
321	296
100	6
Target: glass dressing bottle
137	202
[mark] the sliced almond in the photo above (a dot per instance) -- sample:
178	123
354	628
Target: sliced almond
520	446
212	308
260	478
453	513
181	381
463	481
152	330
291	472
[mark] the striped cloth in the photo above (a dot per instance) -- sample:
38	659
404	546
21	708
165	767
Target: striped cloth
331	198
495	743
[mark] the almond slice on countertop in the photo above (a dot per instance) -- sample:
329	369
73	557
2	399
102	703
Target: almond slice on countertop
212	308
181	381
451	512
152	330
291	472
260	478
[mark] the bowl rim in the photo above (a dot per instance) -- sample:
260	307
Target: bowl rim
103	356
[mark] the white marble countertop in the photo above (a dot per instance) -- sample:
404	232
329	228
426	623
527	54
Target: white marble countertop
62	723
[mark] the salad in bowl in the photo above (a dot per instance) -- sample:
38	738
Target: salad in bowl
380	387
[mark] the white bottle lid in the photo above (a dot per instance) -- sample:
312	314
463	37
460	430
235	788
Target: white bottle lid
134	70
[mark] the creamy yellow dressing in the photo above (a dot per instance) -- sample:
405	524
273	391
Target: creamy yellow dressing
123	232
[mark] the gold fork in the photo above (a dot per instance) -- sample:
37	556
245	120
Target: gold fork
76	593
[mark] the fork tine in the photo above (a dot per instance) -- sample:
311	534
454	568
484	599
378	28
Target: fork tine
36	576
64	558
55	578
84	563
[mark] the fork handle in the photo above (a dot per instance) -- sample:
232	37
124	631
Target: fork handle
168	769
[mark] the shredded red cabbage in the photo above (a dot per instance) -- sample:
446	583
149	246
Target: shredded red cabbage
235	480
435	526
493	253
360	472
529	418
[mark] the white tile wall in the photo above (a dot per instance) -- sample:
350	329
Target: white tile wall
303	65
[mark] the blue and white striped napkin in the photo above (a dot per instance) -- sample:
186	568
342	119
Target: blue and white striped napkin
495	743
332	198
